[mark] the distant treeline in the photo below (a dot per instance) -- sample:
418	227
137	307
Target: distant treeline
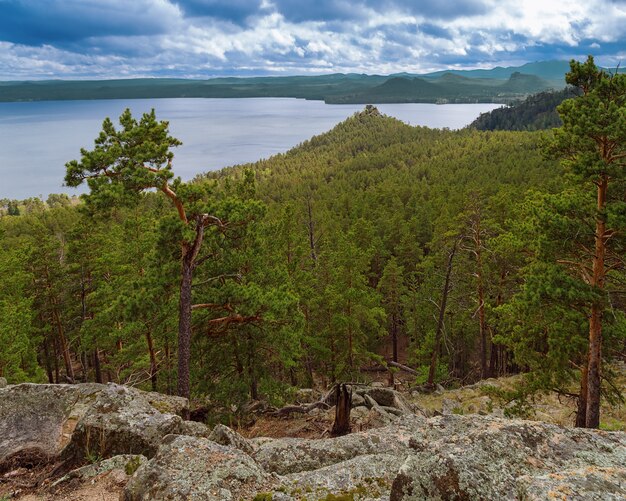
337	88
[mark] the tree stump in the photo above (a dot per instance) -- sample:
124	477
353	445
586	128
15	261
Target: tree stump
343	399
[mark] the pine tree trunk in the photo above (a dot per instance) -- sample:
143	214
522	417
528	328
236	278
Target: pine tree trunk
482	327
184	326
96	365
46	354
394	337
581	411
442	310
595	323
254	386
153	361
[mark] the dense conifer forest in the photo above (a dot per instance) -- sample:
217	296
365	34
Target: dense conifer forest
536	112
461	254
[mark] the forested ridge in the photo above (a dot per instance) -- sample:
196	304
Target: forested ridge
462	254
536	112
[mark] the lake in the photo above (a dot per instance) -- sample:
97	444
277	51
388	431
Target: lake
37	138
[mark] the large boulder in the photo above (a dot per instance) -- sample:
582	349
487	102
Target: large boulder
196	468
46	421
122	420
294	455
585	484
225	436
38	420
462	457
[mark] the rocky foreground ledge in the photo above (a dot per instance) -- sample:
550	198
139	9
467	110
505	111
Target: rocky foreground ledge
414	458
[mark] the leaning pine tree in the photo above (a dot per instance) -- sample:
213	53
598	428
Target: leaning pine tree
592	146
131	160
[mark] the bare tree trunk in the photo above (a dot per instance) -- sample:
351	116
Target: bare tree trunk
56	360
581	411
184	327
394	337
96	365
343	397
254	386
188	264
46	354
153	361
168	366
595	321
442	310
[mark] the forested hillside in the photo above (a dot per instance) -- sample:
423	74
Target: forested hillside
536	112
462	254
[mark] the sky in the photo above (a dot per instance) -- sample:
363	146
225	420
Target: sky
101	39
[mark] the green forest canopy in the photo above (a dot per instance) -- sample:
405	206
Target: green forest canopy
347	249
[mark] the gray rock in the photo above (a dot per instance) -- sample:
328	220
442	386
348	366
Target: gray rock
293	455
357	400
196	468
3	382
385	397
225	436
586	484
121	420
38	420
307	396
45	421
459	457
369	475
128	463
195	429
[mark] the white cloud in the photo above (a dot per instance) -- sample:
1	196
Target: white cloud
380	42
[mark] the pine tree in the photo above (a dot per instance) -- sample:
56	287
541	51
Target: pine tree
592	146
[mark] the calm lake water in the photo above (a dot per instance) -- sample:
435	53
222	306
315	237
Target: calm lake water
37	138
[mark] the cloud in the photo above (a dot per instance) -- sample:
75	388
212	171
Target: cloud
33	22
202	38
235	11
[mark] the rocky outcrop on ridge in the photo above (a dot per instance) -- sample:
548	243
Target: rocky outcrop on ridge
414	457
83	420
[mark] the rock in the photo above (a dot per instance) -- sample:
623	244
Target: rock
38	420
195	429
449	406
225	436
3	382
128	463
294	455
470	457
370	476
357	400
43	421
122	420
385	397
196	468
591	484
359	413
307	396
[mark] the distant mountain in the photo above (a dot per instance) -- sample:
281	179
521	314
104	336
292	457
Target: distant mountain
457	86
448	88
553	71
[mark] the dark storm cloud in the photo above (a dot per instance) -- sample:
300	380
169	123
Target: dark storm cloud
235	11
35	22
323	10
